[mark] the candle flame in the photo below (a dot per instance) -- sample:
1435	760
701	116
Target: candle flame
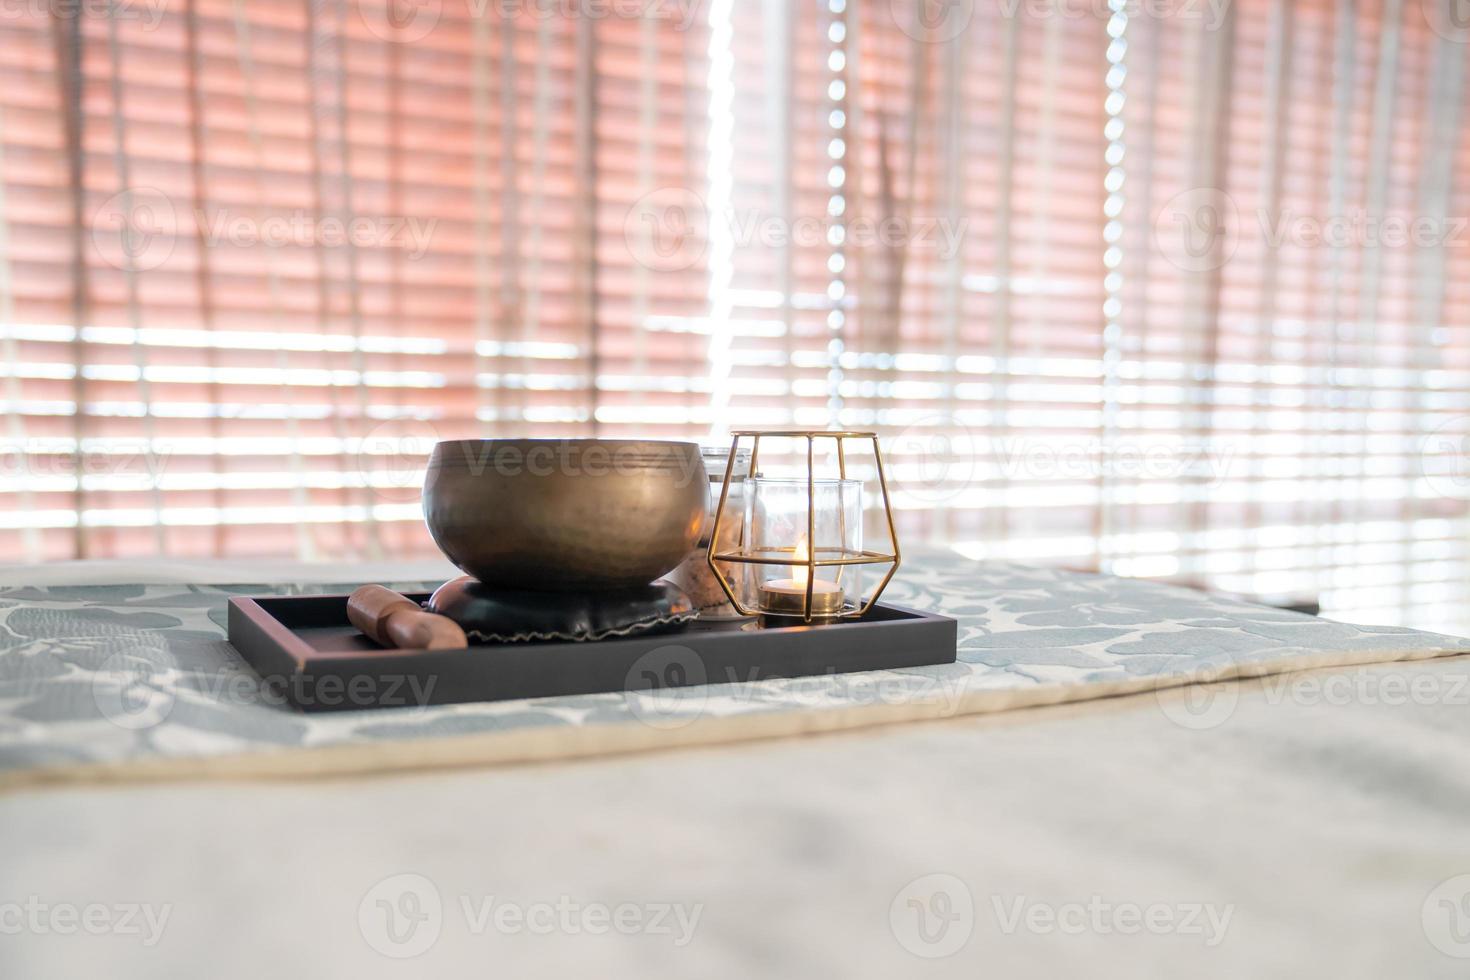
799	572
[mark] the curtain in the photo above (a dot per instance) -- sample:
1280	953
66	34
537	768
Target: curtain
1174	289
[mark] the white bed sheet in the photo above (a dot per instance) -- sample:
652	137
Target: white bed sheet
1323	822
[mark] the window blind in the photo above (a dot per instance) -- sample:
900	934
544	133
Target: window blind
1117	283
260	254
1175	336
1273	313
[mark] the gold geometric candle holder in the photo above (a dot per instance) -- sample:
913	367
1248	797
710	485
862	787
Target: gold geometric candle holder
792	529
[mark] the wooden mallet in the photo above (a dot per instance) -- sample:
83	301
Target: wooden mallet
395	621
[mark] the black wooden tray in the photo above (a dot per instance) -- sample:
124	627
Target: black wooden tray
309	654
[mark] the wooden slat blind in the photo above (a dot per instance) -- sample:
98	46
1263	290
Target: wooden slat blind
1068	258
257	251
1076	381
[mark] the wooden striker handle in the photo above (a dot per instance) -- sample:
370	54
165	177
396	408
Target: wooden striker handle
392	620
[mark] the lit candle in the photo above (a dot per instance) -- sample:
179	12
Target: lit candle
787	596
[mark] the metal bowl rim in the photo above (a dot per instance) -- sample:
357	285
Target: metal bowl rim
659	451
579	440
663	446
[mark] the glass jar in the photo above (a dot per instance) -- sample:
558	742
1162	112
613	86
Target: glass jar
693	574
795	520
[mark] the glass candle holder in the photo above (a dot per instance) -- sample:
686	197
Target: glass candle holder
803	522
799	556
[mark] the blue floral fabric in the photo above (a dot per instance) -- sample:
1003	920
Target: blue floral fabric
114	674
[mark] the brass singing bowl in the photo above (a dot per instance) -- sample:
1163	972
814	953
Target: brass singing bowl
563	515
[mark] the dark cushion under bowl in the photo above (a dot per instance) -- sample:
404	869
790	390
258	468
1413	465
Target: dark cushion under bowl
492	615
